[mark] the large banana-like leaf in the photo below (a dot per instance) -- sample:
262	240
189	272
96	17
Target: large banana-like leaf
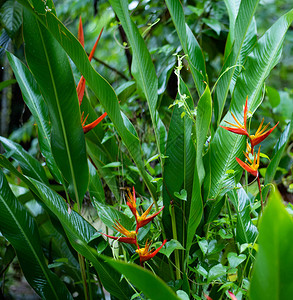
203	120
189	44
225	145
248	45
50	66
98	84
178	167
242	24
10	15
19	228
79	233
35	102
142	67
152	286
273	268
29	165
195	214
277	155
246	231
232	8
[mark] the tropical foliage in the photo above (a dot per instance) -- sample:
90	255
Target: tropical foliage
152	175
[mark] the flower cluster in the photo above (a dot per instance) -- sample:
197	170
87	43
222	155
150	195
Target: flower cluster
251	166
81	85
130	237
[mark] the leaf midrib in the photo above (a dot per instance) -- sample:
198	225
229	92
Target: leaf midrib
60	115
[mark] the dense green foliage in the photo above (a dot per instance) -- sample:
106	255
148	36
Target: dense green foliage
169	75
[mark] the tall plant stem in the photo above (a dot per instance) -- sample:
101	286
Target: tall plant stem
89	280
83	276
261	199
176	253
81	262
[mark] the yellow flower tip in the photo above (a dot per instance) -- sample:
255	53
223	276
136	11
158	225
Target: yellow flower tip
132	234
117	226
248	148
144	215
140	251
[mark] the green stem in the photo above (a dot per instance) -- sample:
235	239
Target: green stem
176	252
81	263
89	280
83	275
230	217
261	200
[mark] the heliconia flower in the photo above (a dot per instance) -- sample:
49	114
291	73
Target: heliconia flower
143	219
248	148
253	167
81	85
80	34
233	297
146	253
129	236
207	297
260	134
132	202
88	127
239	128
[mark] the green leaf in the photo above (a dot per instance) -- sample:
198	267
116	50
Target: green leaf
114	164
29	165
6	83
232	8
109	215
214	24
152	286
100	87
182	295
99	160
179	166
235	260
278	152
196	211
125	90
273	269
35	102
242	24
95	185
274	96
182	195
203	120
189	44
142	67
246	231
216	271
204	246
20	229
50	66
170	246
11	16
